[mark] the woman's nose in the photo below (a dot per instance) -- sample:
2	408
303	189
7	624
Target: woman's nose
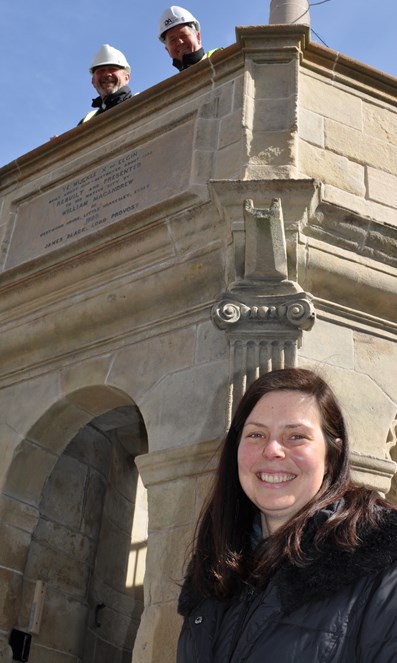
273	449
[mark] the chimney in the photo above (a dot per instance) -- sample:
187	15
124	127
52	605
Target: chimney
290	11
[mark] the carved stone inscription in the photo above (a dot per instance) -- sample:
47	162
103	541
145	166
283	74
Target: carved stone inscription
111	192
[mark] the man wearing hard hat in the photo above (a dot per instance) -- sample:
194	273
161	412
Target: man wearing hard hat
110	75
179	30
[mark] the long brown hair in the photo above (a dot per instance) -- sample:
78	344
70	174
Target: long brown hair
223	557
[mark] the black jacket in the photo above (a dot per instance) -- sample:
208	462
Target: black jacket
193	58
102	105
342	608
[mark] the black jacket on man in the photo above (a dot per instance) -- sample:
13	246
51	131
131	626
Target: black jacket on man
342	608
112	100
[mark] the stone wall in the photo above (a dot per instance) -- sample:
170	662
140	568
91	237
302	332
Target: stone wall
235	218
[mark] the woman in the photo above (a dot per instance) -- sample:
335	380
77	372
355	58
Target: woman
292	561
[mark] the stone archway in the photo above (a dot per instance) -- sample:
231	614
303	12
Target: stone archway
88	541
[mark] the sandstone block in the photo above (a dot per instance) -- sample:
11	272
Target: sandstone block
377	357
382	187
14	547
356	146
275	80
331	101
329	343
380	123
175	419
168	551
275	115
228	161
272	149
211	344
66	486
171	505
230	129
157	635
29	485
332	168
311	127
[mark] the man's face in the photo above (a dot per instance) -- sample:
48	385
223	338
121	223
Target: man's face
181	40
108	79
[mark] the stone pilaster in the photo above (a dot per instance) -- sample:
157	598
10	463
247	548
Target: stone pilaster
263	313
177	482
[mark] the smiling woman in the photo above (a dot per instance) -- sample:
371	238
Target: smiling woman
282	456
292	561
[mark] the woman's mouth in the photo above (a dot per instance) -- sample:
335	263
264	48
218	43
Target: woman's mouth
275	478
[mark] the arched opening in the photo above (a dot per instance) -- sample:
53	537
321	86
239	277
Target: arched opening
89	543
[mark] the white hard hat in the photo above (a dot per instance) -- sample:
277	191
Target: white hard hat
109	55
175	16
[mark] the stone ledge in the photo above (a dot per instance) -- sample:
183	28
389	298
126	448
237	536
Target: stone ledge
373	472
164	466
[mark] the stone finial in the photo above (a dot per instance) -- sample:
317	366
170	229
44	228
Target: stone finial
265	246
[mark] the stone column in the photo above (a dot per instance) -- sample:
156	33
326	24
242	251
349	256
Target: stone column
290	11
263	313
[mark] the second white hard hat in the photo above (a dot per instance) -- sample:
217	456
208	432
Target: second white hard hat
109	55
175	16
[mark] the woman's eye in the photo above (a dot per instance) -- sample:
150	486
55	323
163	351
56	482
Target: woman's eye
297	437
255	436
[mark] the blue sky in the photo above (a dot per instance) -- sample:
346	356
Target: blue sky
47	46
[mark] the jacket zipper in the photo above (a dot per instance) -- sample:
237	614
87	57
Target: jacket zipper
240	623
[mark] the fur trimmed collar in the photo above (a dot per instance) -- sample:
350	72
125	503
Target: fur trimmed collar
331	569
334	568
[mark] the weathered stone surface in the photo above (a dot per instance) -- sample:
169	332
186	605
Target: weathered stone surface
91	447
73	544
329	344
10	597
10	441
332	168
171	505
63	624
14	547
331	101
100	197
311	127
68	479
21	515
37	396
360	148
377	358
174	421
153	643
30	468
381	185
380	122
5	652
66	574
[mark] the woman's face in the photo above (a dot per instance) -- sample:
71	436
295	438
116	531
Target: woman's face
282	455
